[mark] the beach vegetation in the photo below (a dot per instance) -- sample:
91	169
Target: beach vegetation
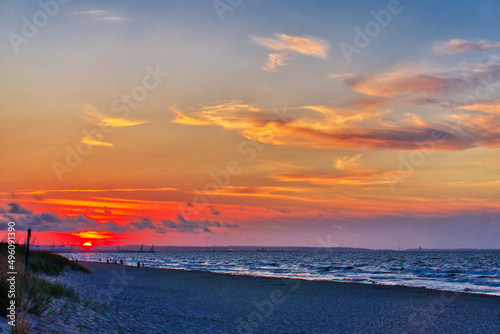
33	293
21	327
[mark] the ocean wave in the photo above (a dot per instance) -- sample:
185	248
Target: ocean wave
474	271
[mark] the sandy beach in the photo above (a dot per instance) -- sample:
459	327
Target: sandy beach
123	299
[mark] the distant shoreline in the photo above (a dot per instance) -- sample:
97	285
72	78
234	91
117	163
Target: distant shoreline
164	249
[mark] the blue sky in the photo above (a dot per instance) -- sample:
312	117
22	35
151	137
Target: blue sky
327	144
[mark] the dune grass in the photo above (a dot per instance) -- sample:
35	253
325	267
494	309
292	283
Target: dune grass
44	261
34	294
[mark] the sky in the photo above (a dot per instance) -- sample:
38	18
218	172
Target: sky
286	123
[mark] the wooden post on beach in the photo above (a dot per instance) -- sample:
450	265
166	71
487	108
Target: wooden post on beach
27	250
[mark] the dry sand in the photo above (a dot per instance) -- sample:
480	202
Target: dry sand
148	300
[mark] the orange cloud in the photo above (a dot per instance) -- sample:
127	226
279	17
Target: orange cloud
460	45
89	141
93	235
309	46
493	108
358	178
291	193
183	119
368	104
346	162
274	61
288	45
415	119
94	203
341	75
341	116
93	116
328	127
39	192
422	84
230	115
480	129
405	79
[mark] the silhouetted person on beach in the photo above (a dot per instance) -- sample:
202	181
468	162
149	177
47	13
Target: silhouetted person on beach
107	260
115	261
121	261
138	264
143	264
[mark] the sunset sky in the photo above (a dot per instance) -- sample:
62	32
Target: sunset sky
287	123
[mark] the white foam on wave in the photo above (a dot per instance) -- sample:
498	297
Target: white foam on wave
472	271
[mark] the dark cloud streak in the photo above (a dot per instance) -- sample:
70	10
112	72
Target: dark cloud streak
48	221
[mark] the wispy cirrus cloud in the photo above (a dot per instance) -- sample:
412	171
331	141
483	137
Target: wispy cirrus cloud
342	117
341	75
44	192
90	141
357	178
425	84
289	45
101	15
403	80
93	235
346	162
333	128
477	129
274	61
94	116
229	114
492	107
183	119
460	45
309	46
269	192
453	87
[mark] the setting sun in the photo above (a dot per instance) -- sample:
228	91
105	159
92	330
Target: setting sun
87	244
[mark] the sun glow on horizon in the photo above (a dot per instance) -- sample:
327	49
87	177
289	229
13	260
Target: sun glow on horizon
92	234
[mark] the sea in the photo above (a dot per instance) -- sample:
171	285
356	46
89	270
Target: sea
462	271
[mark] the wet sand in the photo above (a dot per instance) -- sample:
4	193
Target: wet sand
150	300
